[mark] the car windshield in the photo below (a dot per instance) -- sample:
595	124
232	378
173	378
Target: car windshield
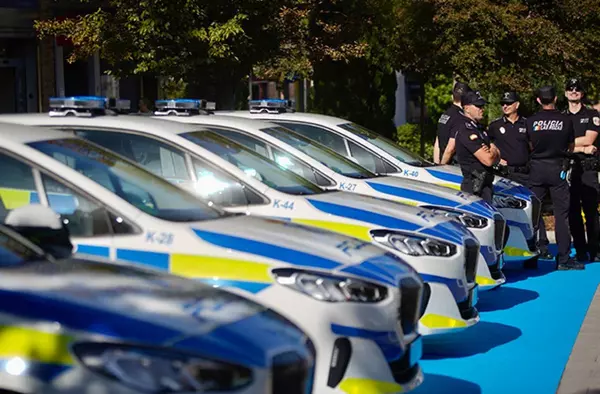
322	154
253	164
387	145
144	190
13	252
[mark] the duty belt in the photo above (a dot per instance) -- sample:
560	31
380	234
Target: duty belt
519	169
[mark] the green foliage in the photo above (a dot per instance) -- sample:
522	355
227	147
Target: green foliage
356	91
409	136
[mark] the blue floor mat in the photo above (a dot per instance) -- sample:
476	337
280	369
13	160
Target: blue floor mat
527	330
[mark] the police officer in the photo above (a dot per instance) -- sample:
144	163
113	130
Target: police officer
584	175
509	133
475	153
444	147
551	135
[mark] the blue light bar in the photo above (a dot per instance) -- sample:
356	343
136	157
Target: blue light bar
182	107
272	106
84	102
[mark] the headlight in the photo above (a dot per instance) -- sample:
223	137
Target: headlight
468	219
504	201
159	370
414	245
329	288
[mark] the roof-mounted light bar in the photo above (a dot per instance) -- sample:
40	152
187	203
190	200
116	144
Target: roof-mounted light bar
86	106
271	106
183	107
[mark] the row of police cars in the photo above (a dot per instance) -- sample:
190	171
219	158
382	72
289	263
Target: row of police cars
260	251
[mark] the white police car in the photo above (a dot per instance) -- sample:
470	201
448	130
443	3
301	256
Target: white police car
451	291
350	297
331	171
520	208
71	325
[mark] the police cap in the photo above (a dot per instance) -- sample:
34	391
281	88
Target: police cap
472	98
574	83
509	97
461	88
546	93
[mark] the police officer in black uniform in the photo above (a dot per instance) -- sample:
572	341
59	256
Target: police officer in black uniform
444	147
552	140
509	133
475	153
584	174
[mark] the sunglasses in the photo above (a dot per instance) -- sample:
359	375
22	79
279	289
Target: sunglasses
576	90
508	104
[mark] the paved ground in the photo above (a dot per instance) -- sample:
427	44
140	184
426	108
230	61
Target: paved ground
582	373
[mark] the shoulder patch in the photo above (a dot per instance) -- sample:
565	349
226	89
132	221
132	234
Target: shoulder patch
596	121
473	137
469	125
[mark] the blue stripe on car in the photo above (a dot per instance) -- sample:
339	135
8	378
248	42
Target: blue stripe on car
251	287
150	259
264	249
363	215
94	250
413	195
444	176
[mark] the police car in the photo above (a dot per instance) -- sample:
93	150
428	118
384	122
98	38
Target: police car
69	325
344	293
331	171
163	148
519	207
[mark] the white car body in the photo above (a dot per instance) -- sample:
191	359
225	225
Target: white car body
159	232
522	222
445	276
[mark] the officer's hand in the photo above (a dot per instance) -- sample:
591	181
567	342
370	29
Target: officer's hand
590	150
503	162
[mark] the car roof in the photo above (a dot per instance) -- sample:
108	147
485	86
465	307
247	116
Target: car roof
226	121
26	134
131	122
299	116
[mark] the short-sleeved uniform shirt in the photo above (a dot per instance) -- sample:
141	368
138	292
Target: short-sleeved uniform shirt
447	125
550	133
583	120
470	137
512	140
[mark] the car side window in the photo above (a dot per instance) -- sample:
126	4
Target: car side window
289	162
82	216
155	156
17	186
242	139
222	189
318	134
367	159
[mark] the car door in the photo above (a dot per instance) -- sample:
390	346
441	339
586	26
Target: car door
91	224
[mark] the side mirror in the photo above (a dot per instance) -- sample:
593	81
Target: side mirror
43	227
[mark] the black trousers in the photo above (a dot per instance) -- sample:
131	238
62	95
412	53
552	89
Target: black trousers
486	192
523	179
584	196
545	178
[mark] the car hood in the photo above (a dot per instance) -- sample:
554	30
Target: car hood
142	306
453	175
391	215
303	247
431	194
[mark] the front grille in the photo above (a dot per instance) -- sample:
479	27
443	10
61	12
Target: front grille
471	256
467	310
495	270
410	300
290	374
402	371
536	209
425	300
499	233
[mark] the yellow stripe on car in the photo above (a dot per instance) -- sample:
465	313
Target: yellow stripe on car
352	230
483	281
432	320
208	267
14	198
512	251
35	345
369	386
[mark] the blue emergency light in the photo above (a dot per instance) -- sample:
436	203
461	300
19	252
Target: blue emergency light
183	107
86	106
270	106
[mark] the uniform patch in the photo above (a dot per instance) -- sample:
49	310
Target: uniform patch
522	130
584	120
444	119
596	121
473	137
502	130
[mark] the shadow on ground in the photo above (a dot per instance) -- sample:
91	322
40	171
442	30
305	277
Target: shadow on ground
481	338
504	298
515	272
445	384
